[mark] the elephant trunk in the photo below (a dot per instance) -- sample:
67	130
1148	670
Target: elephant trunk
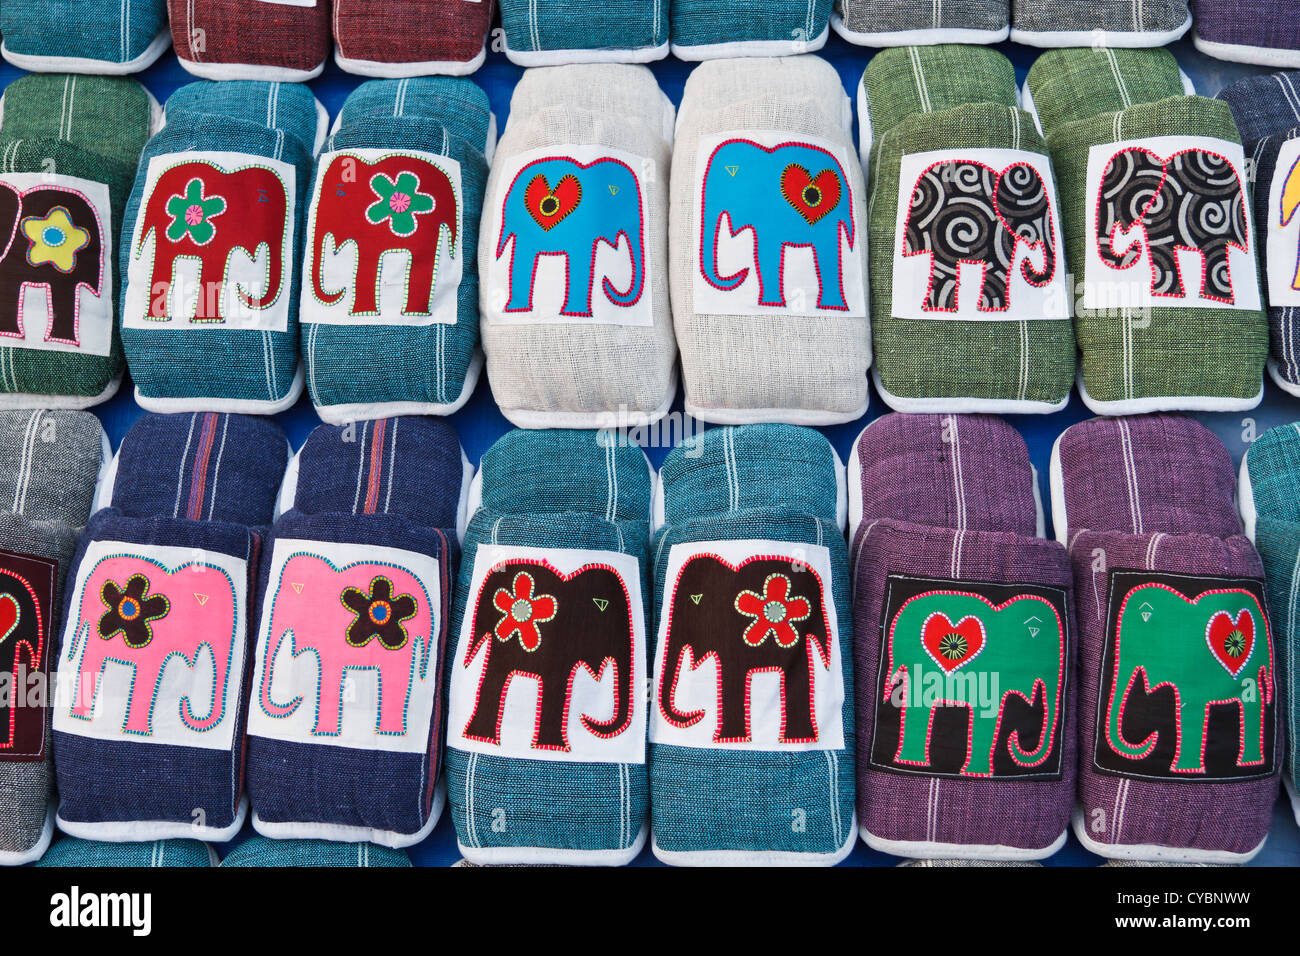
1114	732
711	236
673	664
1046	733
264	692
624	688
217	710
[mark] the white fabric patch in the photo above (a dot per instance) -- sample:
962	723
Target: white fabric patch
385	239
772	718
1284	229
322	687
1169	226
217	255
779	230
51	247
965	210
183	685
586	590
568	238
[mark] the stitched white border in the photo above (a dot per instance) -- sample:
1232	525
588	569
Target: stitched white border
74	402
349	834
1155	852
930	850
742	48
37	850
250	71
918	37
79	64
363	411
540	855
1239	53
141	831
956	405
235	406
530	58
1116	39
756	857
1168	403
402	71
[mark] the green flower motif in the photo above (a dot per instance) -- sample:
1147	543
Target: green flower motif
192	214
399	202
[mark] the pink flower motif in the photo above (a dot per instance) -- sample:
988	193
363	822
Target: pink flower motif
400	202
194	215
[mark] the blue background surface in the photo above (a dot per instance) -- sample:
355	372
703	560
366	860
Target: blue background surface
480	423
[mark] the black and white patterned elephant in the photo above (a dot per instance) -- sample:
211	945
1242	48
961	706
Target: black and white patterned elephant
1193	200
963	211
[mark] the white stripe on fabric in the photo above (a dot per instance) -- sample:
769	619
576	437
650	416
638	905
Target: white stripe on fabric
392	463
180	477
361	466
216	470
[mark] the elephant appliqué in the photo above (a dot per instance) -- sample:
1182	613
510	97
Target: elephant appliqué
1290	205
1188	679
363	617
53	239
134	612
26	595
393	204
197	210
532	622
1192	201
766	614
793	195
964	211
972	680
559	206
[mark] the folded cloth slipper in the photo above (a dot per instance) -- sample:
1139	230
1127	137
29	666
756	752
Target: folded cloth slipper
710	29
1268	33
49	463
374	568
921	22
152	671
279	40
577	325
1267	111
1099	23
768	232
215	220
260	851
69	148
397	38
1079	84
962	187
84	36
959	758
70	852
1270	477
546	759
1180	728
752	735
391	278
556	32
1159	231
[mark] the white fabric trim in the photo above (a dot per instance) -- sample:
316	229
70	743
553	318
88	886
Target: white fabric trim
322	127
157	116
235	406
756	857
918	37
142	831
1275	373
249	71
841	492
74	402
19	857
1116	39
1056	487
658	512
1040	516
1168	403
402	71
740	48
531	58
1292	796
107	474
363	411
474	498
540	855
533	418
348	834
854	481
1154	852
947	406
80	64
1238	53
1246	499
462	504
284	501
866	129
930	850
812	418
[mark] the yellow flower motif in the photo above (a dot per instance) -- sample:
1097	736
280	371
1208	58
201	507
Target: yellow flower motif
54	240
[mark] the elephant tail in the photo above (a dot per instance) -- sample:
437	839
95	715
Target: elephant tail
1046	734
317	273
636	286
264	692
623	691
1114	716
273	288
667	692
215	711
1291	195
710	237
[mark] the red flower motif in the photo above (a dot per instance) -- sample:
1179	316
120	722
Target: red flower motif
522	611
774	612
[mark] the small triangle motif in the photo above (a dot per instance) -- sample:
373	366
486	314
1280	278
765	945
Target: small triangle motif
613	190
695	598
297	587
733	170
201	598
601	603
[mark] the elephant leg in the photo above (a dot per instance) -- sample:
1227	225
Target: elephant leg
577	295
1191	733
330	704
983	731
797	695
485	722
733	707
994	289
366	299
913	748
1165	277
1252	731
551	716
63	311
771	257
1216	283
830	293
943	286
522	266
139	708
419	286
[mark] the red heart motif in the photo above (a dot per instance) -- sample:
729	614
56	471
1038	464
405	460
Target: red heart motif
551	206
8	616
952	645
1231	641
813	197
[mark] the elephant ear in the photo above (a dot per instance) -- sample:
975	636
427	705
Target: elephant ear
10	206
1130	184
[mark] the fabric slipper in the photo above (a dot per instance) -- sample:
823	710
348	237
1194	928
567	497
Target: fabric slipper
275	40
751	732
89	36
1180	727
962	187
1268	33
71	852
714	29
577	324
921	22
769	278
555	559
260	851
958	759
558	32
152	671
375	569
399	38
210	304
1099	23
49	464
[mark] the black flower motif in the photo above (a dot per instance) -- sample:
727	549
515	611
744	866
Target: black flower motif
953	646
131	610
1235	643
378	614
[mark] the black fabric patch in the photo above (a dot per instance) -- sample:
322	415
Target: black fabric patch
1189	646
983	648
26	603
